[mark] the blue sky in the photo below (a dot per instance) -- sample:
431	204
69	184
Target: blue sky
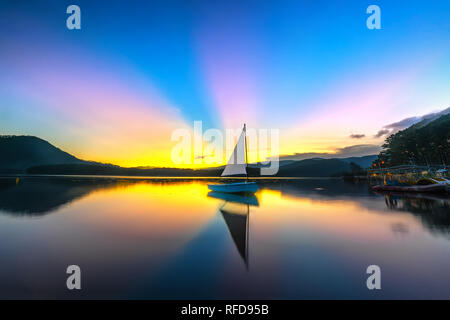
310	68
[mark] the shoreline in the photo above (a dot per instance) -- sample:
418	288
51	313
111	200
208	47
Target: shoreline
14	176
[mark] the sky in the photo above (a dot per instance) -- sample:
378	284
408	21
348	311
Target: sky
115	90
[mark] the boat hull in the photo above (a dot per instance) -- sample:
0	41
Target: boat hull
249	199
237	187
428	188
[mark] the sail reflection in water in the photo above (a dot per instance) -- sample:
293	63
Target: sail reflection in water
235	211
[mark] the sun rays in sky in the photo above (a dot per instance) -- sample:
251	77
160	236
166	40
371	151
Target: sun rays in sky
115	90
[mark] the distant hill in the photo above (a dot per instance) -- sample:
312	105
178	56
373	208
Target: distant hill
18	153
364	162
99	169
424	143
314	168
27	154
302	168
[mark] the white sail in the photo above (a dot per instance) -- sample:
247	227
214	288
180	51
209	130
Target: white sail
237	164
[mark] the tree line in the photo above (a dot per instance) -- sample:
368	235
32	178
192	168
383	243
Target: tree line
422	144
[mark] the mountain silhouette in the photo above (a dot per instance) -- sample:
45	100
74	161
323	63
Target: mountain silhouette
314	168
18	153
32	155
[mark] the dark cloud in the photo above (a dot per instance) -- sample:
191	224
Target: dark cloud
358	150
407	122
382	133
403	124
357	136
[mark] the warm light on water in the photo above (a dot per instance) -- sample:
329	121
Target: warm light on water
168	239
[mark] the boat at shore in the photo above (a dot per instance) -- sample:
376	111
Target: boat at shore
415	179
435	188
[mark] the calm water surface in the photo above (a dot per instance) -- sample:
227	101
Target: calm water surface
311	238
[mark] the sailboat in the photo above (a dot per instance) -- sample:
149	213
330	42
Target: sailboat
237	164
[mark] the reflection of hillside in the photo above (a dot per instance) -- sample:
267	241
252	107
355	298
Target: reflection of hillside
36	196
39	196
433	213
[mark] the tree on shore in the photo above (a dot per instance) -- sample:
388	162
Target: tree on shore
421	144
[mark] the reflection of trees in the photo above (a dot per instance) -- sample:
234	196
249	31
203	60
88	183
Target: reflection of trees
323	188
434	213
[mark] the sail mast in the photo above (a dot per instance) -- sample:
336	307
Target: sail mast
245	142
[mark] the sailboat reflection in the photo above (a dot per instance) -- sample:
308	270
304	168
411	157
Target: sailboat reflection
236	212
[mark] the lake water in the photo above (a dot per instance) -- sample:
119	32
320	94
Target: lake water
163	239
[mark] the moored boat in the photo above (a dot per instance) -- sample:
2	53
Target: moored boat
415	188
